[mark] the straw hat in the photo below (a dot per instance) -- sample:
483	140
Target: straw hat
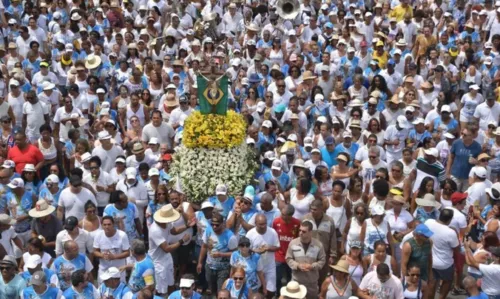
294	290
428	201
341	266
395	100
42	209
137	148
173	103
426	84
252	27
92	61
166	214
308	75
398	199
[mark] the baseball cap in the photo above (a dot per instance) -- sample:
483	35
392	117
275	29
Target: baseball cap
446	108
221	189
457	197
8	164
112	272
480	172
308	142
70	223
276	165
207	205
261	106
432	152
419	120
103	135
16	183
315	150
33	261
322	119
38	278
166	157
131	173
153	171
423	230
267	124
378	210
329	140
403	122
120	160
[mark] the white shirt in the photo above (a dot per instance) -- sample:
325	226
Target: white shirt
486	114
84	241
458	221
165	133
108	157
5	241
490	284
73	204
391	135
477	192
269	238
35	117
158	236
444	240
116	244
104	180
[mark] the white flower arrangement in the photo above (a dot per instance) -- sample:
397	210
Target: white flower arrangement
197	171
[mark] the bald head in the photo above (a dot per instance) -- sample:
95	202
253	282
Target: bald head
223	294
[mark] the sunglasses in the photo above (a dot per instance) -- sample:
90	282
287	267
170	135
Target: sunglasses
94	168
483	160
245	245
215	224
372	157
238	278
161	193
5	268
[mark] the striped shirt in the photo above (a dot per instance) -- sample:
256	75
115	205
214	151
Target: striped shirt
424	169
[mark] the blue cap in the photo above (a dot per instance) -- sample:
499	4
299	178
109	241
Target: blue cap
423	230
280	108
391	62
329	25
329	140
249	190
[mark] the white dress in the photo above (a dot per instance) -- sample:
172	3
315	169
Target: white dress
301	205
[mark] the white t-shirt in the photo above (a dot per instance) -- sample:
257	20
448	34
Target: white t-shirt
104	180
35	117
459	221
165	133
158	236
73	204
5	241
115	245
369	170
477	192
444	240
269	238
108	158
490	284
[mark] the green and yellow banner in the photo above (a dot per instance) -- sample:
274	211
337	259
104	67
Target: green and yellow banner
212	95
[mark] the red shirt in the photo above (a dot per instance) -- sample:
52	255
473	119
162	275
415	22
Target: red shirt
286	233
30	155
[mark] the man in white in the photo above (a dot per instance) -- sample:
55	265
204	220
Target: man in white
136	191
101	181
486	112
265	241
180	113
159	248
8	235
107	151
72	199
111	246
479	187
394	139
445	243
372	164
159	129
72	232
35	114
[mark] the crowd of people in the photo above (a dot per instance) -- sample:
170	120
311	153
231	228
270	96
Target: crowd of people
375	125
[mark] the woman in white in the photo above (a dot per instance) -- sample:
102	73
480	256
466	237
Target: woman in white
426	96
276	55
323	181
91	223
352	229
399	219
340	284
294	78
339	208
469	103
380	256
300	198
374	229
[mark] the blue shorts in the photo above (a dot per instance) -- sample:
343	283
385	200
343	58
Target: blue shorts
444	274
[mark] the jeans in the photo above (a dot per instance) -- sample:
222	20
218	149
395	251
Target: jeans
216	278
282	270
202	281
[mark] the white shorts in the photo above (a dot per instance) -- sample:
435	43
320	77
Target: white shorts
164	273
270	277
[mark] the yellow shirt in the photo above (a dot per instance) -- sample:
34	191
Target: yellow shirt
399	12
382	59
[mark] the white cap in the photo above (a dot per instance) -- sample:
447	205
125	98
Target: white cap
221	189
47	85
100	90
410	109
351	50
187	283
308	142
292	137
319	97
13	83
347	134
103	135
153	140
153	171
33	261
315	150
474	86
419	120
131	173
8	164
250	140
207	204
292	32
52	179
378	210
112	272
16	183
403	122
267	124
120	160
446	108
261	106
432	152
322	119
85	157
480	172
12	21
449	135
277	165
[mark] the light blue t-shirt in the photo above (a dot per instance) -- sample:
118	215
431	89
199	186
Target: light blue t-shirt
142	275
129	214
21	209
222	207
224	242
50	293
52	199
117	293
251	264
177	295
65	268
87	293
230	286
13	289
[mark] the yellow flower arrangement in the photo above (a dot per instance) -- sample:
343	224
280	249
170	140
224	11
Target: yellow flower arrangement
214	131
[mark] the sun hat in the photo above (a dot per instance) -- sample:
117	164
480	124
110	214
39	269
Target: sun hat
33	261
423	230
355	124
308	75
111	272
254	78
42	209
341	266
494	191
294	290
429	200
137	148
29	168
399	199
166	214
6	219
92	61
16	183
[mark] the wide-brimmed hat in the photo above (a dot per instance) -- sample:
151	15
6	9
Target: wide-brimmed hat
137	148
308	75
426	84
254	78
428	201
6	219
253	27
166	214
294	290
341	266
172	103
399	199
42	209
92	61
